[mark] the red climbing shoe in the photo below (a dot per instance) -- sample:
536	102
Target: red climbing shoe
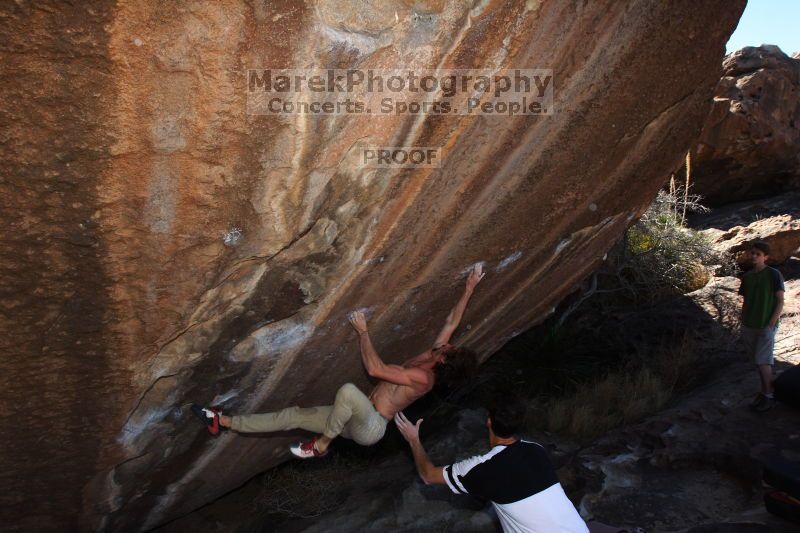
306	450
209	416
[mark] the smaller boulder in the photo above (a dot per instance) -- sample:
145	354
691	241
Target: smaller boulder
733	228
781	232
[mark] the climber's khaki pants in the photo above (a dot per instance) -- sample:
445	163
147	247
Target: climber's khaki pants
352	415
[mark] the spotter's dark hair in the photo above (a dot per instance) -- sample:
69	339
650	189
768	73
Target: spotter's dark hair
507	414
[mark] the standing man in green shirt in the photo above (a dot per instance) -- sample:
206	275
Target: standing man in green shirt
762	288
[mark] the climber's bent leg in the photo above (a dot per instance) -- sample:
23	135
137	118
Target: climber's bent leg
353	416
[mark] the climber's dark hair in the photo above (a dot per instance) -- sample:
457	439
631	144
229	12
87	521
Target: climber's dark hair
457	369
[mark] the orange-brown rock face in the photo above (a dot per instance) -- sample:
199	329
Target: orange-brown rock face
750	142
163	246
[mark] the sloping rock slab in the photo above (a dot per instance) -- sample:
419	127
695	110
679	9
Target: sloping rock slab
163	246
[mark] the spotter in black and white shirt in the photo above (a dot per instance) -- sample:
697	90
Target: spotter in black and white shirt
521	483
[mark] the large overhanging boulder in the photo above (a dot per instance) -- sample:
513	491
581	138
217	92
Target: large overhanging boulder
162	245
750	143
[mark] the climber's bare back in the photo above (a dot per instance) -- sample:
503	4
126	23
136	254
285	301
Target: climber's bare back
401	385
390	398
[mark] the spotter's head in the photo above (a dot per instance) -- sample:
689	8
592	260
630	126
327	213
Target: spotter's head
506	416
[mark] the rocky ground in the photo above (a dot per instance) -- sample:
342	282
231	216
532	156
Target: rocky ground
698	462
694	466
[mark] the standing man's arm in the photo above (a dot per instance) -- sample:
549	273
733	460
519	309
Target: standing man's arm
429	473
744	300
454	318
777	284
776	314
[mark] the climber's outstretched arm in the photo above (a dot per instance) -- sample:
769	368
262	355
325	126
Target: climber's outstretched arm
454	318
376	368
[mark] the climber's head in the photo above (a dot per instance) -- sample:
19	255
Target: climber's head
456	366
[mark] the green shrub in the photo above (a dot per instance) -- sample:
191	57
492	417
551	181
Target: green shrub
660	256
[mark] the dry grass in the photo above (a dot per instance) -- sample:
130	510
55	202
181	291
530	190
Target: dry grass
626	395
305	489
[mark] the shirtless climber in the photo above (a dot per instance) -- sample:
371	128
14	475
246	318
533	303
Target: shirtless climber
354	415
